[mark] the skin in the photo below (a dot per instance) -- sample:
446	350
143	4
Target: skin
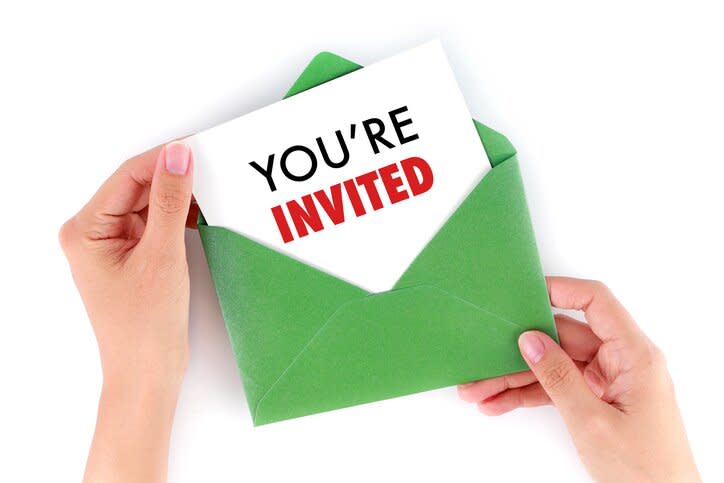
127	256
128	259
608	381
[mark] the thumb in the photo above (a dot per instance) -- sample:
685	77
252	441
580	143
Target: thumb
170	196
559	376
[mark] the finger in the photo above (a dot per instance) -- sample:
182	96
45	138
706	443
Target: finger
170	196
594	377
559	376
577	338
191	219
121	193
608	319
110	212
522	397
479	390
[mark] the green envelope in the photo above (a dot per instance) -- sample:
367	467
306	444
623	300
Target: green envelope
307	342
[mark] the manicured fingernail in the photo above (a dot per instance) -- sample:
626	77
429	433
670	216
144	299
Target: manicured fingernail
531	347
177	157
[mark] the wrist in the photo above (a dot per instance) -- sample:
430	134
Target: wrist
145	371
129	387
135	417
139	401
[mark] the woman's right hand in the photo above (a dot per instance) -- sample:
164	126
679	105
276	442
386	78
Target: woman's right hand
610	384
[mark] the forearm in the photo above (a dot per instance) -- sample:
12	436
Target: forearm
132	432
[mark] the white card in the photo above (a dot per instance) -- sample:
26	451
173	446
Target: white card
362	215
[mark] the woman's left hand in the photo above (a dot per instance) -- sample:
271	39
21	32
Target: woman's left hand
127	254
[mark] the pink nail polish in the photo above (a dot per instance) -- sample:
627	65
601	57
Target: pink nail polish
177	157
531	346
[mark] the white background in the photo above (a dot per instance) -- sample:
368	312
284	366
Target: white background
617	112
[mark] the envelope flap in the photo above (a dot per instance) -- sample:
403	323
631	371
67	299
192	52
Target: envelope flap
497	146
324	67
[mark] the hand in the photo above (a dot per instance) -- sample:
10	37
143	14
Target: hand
127	255
609	383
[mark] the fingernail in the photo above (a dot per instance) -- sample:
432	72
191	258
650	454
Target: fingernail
177	157
531	347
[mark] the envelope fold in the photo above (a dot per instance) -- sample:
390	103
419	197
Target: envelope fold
387	345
